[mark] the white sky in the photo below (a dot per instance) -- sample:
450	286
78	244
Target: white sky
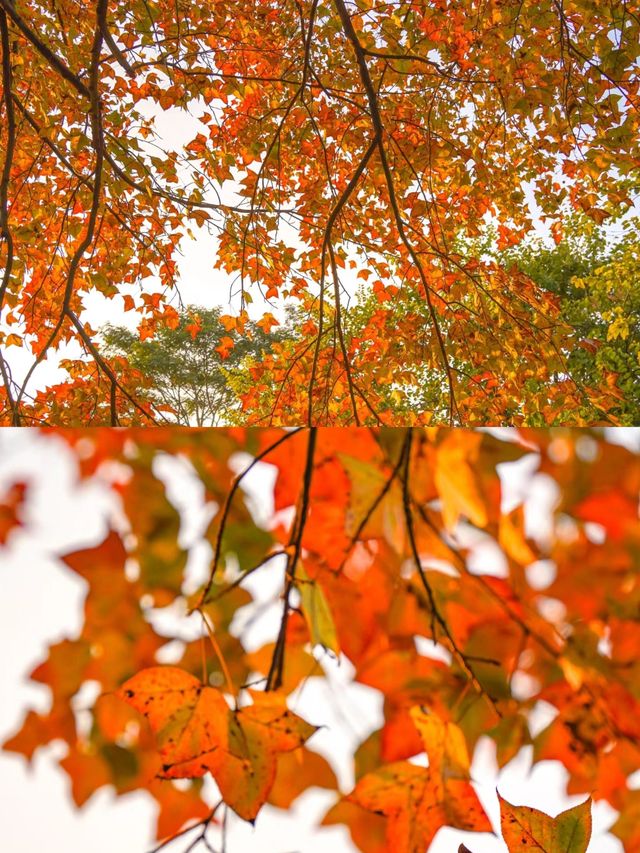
41	603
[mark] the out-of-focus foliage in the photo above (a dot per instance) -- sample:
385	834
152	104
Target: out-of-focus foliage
391	549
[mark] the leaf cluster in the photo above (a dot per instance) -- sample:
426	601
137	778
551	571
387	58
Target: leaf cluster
373	545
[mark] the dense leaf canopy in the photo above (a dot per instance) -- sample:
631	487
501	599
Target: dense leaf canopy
592	271
374	543
325	142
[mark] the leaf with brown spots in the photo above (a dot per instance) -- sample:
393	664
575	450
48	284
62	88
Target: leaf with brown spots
189	719
257	733
197	732
525	829
447	598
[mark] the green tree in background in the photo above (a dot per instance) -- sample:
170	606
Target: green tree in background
192	369
594	273
596	277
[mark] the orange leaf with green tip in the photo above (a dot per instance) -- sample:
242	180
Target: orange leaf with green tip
525	829
257	733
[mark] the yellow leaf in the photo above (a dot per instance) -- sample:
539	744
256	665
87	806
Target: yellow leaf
455	479
512	539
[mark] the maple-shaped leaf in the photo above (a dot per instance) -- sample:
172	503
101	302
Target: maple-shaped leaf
189	719
257	733
267	322
419	801
525	829
197	732
38	729
225	347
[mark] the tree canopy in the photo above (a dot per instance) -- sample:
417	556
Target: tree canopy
326	142
202	372
373	546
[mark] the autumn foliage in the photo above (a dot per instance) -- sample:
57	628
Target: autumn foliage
372	542
318	145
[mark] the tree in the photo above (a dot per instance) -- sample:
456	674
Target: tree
595	278
608	316
591	274
190	369
330	141
373	545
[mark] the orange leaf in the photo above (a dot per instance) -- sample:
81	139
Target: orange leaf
419	801
197	732
225	347
267	322
189	719
11	509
